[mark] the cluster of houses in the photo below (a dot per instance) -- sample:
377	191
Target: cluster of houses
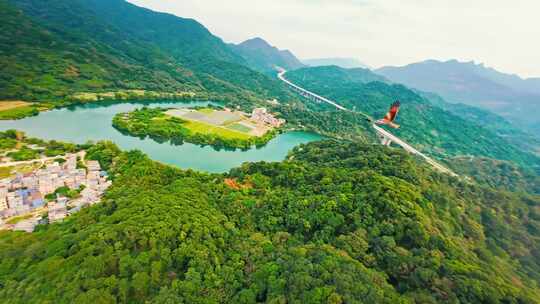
25	194
261	115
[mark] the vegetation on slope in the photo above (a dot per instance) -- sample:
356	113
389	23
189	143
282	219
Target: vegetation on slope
69	47
490	121
429	127
154	123
497	174
474	84
16	145
327	121
84	50
17	109
338	223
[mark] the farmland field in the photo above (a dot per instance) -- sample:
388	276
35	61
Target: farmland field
208	121
204	128
16	109
206	110
8	105
239	127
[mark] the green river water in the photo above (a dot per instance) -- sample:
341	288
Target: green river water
80	124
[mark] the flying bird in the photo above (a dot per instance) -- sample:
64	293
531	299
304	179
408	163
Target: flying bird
390	116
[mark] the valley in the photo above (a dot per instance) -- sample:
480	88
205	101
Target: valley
145	159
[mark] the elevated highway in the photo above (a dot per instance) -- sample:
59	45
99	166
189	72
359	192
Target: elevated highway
306	93
386	137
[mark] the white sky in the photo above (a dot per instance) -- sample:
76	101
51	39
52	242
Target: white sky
501	33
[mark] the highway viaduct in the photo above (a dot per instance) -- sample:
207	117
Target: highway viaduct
386	137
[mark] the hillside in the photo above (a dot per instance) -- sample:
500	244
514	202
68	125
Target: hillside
261	56
507	95
335	74
428	127
341	223
488	120
66	47
502	175
346	63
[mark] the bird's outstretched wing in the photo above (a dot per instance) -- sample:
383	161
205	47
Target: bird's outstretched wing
392	114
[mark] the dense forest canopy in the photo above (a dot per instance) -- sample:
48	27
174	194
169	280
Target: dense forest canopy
335	223
497	173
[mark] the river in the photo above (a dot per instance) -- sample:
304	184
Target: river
79	124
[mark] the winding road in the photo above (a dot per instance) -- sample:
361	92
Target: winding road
380	131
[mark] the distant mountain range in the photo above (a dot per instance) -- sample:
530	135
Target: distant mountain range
426	122
474	84
261	56
346	63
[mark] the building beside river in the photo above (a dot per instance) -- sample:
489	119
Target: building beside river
261	115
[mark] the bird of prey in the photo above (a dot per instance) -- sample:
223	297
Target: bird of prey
390	116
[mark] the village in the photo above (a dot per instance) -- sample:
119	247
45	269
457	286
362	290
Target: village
56	189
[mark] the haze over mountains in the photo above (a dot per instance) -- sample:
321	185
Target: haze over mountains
347	63
474	84
426	124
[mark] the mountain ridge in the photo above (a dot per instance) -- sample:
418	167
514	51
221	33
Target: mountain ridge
429	127
474	84
264	57
342	62
103	46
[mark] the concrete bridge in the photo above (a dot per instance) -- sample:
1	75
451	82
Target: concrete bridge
385	137
307	94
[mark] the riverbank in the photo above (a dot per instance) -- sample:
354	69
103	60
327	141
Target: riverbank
161	125
92	122
17	109
14	110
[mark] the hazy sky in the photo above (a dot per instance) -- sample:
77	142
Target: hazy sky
503	34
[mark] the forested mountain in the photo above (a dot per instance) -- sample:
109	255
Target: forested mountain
64	47
335	75
346	63
337	223
497	174
474	84
527	141
261	56
429	127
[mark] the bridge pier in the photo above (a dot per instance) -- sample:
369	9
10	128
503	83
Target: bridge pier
385	141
